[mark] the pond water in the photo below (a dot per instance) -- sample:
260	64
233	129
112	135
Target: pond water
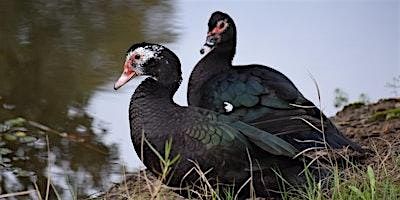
58	61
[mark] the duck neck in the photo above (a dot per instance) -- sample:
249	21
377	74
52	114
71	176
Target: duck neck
151	91
150	106
225	51
217	61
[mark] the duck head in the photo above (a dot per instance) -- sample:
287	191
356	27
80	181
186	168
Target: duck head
153	60
221	32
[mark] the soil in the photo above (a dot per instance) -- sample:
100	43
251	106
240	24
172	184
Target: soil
375	126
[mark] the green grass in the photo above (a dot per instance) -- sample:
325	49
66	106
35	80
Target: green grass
386	115
358	183
380	179
376	181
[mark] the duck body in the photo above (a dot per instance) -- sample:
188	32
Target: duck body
159	119
266	99
257	94
205	137
224	145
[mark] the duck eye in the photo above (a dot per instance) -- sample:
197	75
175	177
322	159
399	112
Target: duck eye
137	56
222	25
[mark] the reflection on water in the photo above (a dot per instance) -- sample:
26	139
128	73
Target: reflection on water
53	56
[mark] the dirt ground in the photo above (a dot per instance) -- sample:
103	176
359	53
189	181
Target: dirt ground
365	122
375	126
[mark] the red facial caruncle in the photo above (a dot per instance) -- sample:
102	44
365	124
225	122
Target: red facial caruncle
221	26
128	72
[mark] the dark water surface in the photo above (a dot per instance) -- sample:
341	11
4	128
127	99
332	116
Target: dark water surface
53	56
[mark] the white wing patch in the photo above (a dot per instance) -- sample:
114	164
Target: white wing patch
228	107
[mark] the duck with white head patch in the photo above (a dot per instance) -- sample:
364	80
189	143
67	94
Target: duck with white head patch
213	140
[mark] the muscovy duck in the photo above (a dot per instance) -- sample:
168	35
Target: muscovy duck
257	94
212	139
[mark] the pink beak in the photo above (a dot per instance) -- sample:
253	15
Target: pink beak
126	76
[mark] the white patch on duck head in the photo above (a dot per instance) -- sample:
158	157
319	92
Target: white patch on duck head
228	107
141	55
205	50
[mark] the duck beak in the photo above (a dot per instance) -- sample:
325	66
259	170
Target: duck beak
211	41
126	76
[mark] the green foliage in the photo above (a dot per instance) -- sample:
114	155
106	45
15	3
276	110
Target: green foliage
394	85
13	137
229	192
341	98
166	162
364	193
4	151
386	115
363	98
7	125
348	185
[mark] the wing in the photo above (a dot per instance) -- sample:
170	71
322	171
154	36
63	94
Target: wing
215	130
252	91
268	100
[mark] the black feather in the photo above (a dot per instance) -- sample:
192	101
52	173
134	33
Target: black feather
213	140
260	96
